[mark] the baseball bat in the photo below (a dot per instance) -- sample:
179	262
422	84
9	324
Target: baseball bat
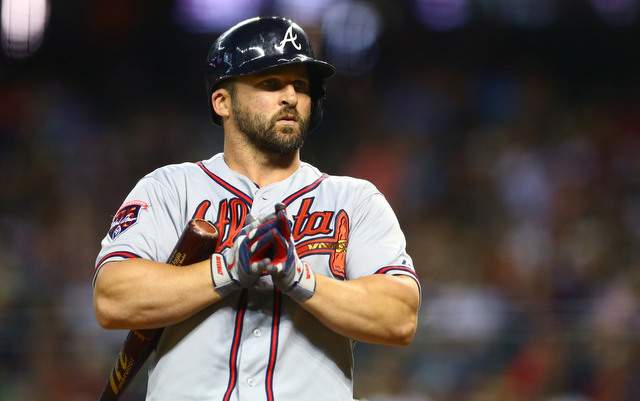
197	242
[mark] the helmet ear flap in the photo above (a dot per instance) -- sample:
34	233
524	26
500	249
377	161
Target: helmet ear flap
318	94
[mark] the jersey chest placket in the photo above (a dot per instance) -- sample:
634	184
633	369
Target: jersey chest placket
257	353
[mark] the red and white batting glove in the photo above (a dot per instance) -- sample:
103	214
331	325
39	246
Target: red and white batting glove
241	265
292	276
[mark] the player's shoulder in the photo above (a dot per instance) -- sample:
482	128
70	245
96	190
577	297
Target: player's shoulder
171	173
188	169
352	183
347	184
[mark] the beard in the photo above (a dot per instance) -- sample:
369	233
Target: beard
263	133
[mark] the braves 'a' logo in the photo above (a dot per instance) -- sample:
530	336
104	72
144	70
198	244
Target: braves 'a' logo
125	217
289	37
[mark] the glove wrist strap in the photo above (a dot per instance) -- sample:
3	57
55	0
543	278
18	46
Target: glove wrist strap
305	287
222	281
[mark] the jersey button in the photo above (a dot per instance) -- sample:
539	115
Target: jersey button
251	381
257	333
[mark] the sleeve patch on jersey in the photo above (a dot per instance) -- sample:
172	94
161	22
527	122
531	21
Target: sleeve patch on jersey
127	216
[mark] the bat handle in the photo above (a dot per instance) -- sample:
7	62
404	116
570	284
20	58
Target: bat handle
105	397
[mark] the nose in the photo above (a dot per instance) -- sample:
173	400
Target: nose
289	96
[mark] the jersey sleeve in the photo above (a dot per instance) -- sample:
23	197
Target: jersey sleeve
142	227
377	244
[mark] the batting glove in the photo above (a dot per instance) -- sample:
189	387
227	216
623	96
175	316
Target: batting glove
241	265
289	273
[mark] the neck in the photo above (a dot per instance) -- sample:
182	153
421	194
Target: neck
260	167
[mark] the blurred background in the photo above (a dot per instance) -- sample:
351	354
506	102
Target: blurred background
505	134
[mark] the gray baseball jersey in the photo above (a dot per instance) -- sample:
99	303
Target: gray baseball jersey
257	344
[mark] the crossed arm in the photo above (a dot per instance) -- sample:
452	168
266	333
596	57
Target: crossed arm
380	309
141	294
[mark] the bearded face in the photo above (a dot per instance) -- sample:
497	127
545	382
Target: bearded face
266	134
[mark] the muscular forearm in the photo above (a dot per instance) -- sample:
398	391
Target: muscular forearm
141	294
378	309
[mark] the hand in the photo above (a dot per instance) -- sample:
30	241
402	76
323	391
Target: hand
289	273
241	265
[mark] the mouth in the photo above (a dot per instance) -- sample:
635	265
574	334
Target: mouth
288	119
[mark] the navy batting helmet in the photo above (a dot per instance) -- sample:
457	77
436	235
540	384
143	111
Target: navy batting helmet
259	43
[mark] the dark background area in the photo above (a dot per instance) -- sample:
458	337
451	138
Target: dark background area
510	154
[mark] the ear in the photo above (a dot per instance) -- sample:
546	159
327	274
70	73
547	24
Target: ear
221	102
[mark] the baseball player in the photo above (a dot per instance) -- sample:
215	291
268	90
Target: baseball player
306	263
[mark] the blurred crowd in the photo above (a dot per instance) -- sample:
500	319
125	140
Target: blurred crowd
515	175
